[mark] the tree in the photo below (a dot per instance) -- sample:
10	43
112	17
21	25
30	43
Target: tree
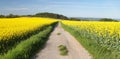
2	16
11	16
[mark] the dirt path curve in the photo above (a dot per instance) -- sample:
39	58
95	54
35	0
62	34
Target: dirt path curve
51	50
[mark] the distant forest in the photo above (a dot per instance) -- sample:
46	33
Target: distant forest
54	15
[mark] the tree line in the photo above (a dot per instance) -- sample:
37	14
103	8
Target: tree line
102	19
53	15
44	14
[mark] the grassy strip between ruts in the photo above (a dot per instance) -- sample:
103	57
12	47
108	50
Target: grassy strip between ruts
58	33
63	50
26	49
96	50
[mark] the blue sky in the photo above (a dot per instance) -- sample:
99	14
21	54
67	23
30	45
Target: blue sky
70	8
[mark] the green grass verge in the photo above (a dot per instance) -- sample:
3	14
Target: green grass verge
63	50
27	48
97	51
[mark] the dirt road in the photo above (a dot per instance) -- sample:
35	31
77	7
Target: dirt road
51	50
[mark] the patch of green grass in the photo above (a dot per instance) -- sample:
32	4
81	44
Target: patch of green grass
58	33
63	50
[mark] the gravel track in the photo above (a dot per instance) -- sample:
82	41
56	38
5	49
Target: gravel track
51	50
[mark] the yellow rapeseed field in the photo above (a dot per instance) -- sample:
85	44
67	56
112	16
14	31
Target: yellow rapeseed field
100	28
10	27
